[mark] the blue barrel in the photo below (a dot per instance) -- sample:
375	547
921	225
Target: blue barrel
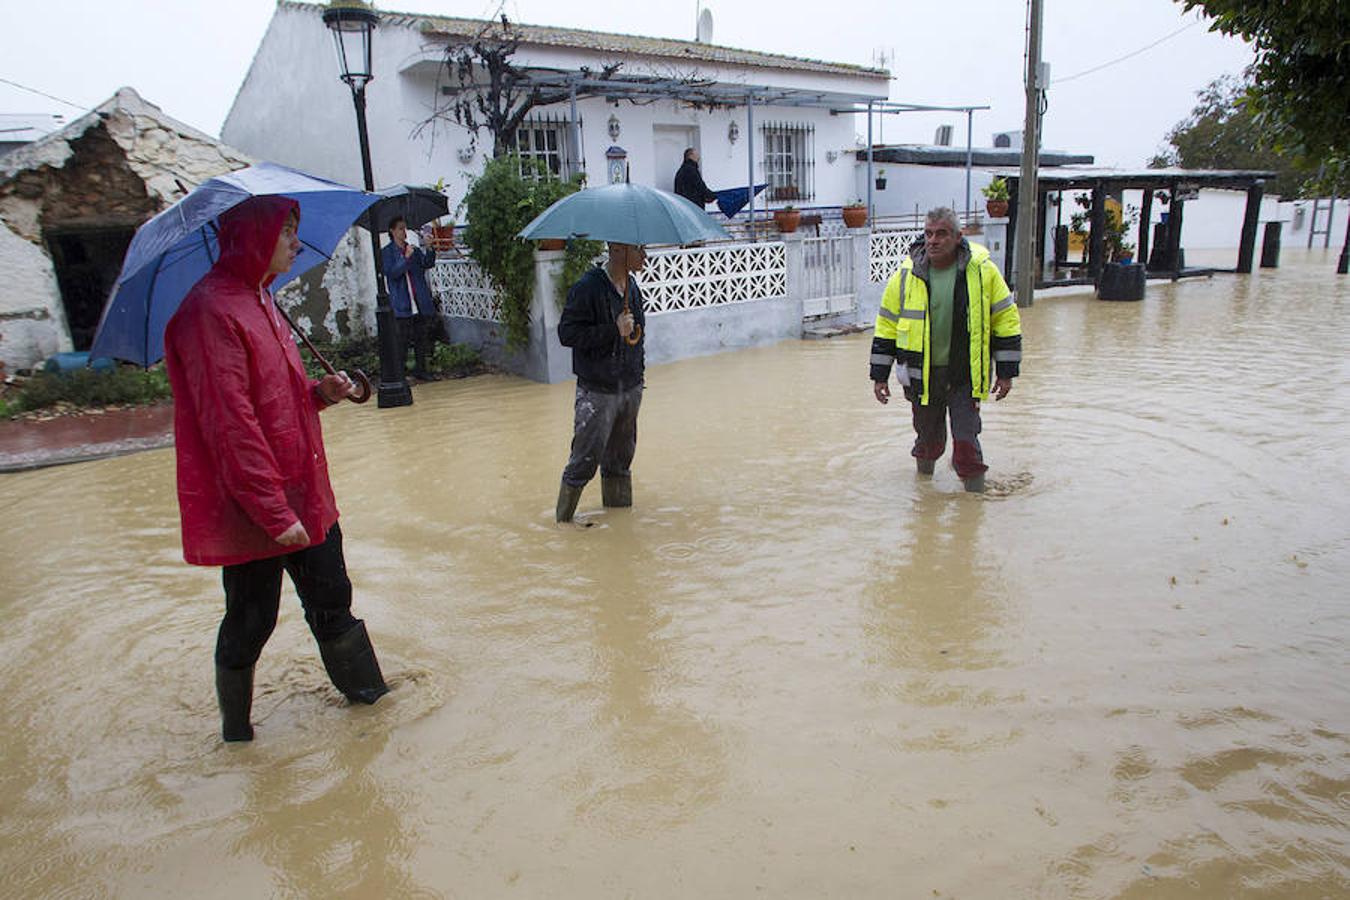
63	363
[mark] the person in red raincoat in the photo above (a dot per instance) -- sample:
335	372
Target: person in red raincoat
253	488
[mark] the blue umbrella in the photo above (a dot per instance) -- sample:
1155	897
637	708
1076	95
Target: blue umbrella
732	200
171	252
625	214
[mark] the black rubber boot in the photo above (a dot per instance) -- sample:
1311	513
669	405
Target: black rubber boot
568	497
925	466
234	691
616	490
975	485
352	667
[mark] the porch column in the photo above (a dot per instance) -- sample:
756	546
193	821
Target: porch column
1145	228
871	213
750	155
1174	216
1247	246
1097	232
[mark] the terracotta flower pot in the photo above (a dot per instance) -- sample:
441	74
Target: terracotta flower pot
442	237
855	216
996	208
787	220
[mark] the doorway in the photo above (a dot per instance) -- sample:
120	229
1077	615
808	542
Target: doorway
87	262
669	144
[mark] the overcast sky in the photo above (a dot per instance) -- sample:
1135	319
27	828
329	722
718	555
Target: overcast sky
189	56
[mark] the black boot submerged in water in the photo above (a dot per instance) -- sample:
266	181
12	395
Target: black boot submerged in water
352	666
234	691
568	497
616	490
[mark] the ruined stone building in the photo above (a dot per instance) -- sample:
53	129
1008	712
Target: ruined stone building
69	205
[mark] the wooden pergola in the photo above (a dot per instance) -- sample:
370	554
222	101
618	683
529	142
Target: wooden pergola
1103	182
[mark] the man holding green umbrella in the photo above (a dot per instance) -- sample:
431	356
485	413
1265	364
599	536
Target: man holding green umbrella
602	323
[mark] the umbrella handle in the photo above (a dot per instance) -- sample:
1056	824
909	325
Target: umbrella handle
362	392
636	334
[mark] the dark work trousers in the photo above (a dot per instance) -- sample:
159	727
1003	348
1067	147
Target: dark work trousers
253	595
604	434
949	396
412	331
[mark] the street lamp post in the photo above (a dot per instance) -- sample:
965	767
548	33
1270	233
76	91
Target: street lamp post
352	27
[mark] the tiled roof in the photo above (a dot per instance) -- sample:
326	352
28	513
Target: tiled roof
605	42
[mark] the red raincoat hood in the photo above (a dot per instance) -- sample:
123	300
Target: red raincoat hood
248	235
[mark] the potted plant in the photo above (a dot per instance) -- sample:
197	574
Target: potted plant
996	197
881	179
787	219
855	214
1120	278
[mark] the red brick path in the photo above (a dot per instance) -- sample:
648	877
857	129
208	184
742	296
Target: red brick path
28	444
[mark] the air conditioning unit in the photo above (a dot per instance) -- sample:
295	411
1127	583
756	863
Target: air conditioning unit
1010	140
943	138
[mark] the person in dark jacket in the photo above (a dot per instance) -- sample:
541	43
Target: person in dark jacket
689	181
253	489
603	324
405	272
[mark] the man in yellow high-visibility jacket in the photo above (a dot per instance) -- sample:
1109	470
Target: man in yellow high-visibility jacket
946	315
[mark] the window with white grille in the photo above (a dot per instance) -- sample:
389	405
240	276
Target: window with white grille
789	161
547	140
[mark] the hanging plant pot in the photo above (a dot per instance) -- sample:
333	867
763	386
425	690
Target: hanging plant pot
855	216
787	220
998	209
881	184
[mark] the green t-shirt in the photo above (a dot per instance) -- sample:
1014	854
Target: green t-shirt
941	301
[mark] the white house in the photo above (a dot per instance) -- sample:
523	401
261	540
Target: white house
769	113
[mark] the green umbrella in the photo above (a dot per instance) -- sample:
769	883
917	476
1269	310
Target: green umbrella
625	214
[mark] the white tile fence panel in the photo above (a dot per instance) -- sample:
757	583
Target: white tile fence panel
888	248
697	277
464	290
827	275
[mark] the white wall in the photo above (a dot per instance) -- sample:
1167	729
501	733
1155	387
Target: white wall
911	187
32	322
1297	225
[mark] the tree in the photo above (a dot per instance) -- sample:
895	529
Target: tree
1223	132
1300	92
487	90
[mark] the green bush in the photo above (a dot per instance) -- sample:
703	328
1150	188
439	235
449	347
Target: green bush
499	204
580	256
85	388
455	360
364	353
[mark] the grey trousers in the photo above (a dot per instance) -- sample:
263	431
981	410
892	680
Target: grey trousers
604	434
930	424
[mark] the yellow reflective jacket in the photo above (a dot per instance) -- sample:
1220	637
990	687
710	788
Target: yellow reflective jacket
984	310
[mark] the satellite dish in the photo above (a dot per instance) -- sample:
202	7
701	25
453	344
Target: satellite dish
705	27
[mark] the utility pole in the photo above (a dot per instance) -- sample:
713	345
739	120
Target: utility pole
1025	259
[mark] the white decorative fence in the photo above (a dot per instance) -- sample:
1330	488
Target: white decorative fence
696	277
828	275
464	290
888	248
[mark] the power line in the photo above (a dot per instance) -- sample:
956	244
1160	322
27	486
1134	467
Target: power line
24	87
1134	53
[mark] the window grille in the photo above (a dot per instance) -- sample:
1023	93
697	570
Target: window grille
548	140
789	160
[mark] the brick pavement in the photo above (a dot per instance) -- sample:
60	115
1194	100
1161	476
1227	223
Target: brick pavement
32	444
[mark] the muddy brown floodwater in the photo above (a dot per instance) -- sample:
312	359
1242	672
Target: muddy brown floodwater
792	670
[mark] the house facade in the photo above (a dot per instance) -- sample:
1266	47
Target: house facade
743	110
